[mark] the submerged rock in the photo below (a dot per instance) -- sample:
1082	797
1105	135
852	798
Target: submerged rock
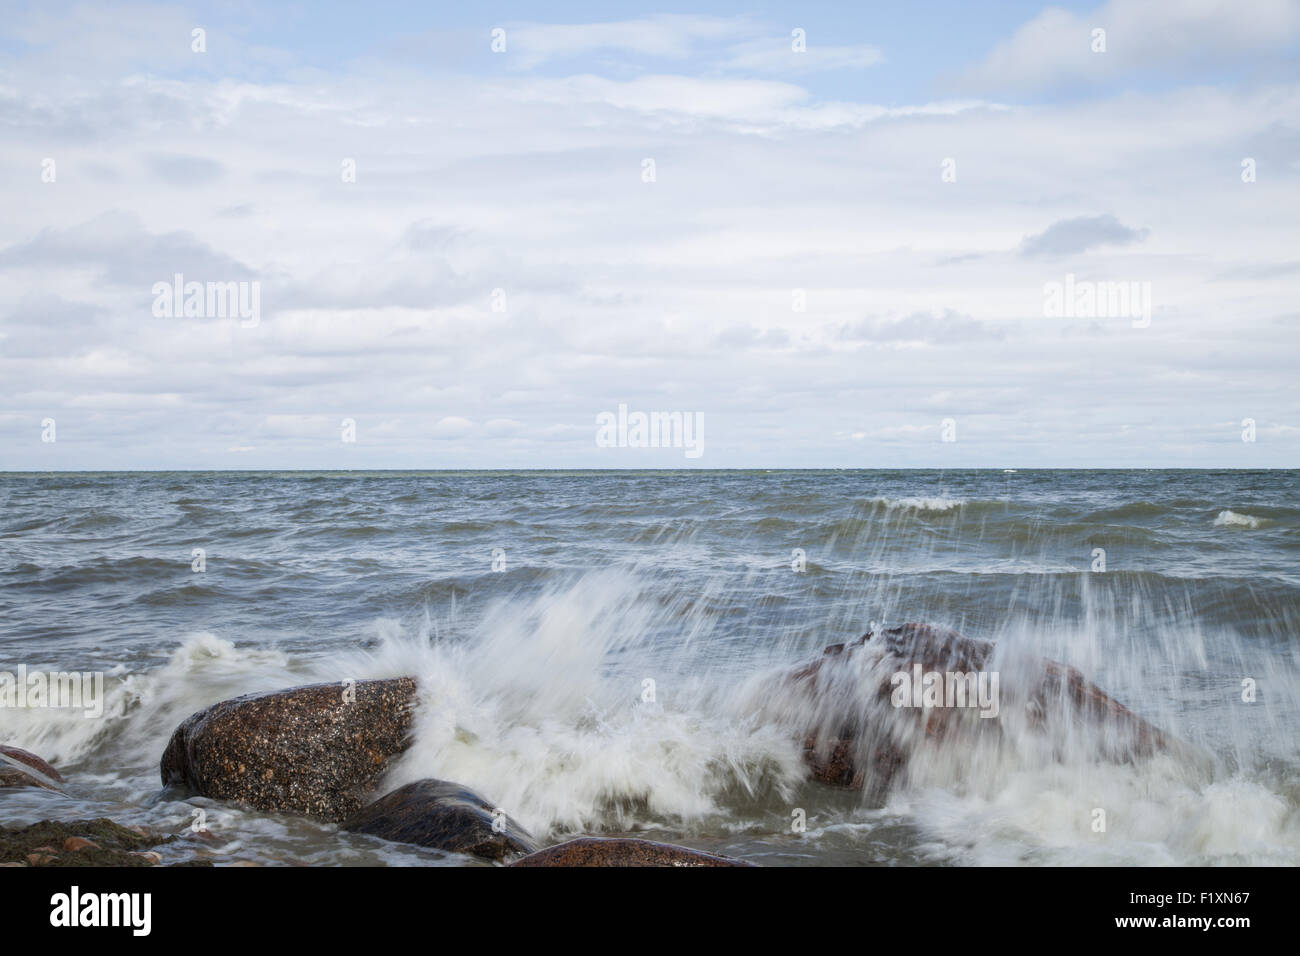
444	816
33	772
79	843
599	851
316	750
857	737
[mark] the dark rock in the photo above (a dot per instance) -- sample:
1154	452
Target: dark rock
597	851
78	843
311	750
859	739
445	816
12	776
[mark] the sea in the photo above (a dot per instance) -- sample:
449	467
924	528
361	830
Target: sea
602	652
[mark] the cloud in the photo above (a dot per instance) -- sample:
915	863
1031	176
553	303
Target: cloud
42	323
1055	48
178	170
719	98
774	55
746	336
1069	237
453	426
701	44
1254	272
928	328
672	36
117	244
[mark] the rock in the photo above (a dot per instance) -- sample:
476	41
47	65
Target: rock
33	772
835	761
858	738
151	857
82	842
304	750
598	851
445	816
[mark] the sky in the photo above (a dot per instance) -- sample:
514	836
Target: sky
827	235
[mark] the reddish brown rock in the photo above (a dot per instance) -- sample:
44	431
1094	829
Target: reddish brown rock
33	772
597	851
73	844
316	750
859	739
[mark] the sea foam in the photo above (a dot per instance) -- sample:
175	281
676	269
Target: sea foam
1231	519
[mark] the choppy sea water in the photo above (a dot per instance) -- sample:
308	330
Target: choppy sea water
535	607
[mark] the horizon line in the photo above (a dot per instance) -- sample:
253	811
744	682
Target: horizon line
344	471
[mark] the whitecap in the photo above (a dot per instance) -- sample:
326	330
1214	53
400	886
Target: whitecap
1231	519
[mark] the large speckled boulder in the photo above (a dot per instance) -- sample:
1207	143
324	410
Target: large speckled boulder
21	768
858	739
315	750
445	816
597	851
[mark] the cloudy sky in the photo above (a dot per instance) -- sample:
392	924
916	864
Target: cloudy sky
823	252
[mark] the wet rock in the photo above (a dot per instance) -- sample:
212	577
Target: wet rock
858	739
836	761
598	851
75	843
445	816
25	769
315	750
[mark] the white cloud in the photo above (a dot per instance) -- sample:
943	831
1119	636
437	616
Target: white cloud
669	36
1056	47
694	44
773	54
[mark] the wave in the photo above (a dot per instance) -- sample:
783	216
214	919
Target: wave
140	709
1118	514
935	504
1231	519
